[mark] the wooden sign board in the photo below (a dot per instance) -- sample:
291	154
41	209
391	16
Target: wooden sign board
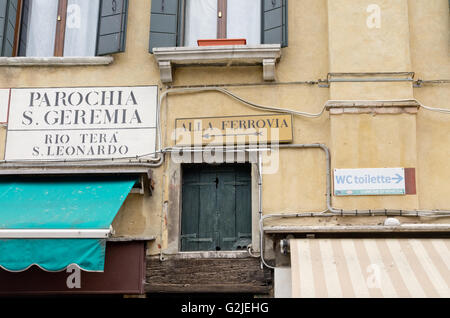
234	130
374	181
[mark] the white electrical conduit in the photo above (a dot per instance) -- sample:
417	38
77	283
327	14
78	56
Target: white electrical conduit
284	110
439	110
434	109
240	99
331	211
160	150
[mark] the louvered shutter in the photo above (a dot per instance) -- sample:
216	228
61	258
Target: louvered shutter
199	215
274	22
216	208
164	23
8	14
112	26
3	6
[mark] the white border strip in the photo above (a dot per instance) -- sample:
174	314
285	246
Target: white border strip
50	233
56	61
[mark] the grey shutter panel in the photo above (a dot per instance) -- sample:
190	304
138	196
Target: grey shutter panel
274	25
234	203
24	28
216	208
3	6
199	215
164	23
8	13
112	26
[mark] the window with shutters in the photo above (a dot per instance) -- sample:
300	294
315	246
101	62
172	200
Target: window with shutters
44	28
216	207
183	22
222	19
177	25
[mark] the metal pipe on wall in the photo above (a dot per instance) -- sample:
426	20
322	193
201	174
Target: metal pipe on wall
330	211
370	212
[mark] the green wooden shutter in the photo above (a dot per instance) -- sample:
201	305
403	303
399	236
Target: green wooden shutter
111	33
8	13
274	25
226	205
199	210
24	28
234	204
190	208
164	23
208	216
216	208
243	185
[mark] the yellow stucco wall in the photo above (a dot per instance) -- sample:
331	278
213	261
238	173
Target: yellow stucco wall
140	215
365	140
354	47
325	36
430	54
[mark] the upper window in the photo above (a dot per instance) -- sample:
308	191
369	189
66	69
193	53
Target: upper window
59	28
43	28
221	19
183	22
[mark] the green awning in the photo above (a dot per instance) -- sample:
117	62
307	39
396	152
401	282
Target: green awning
35	210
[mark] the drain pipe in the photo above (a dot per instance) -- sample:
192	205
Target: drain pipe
20	164
327	162
260	213
260	208
259	162
367	212
330	211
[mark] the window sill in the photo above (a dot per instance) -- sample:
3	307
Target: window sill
56	61
372	107
265	54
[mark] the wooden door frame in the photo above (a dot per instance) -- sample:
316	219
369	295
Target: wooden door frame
173	206
60	28
15	51
221	19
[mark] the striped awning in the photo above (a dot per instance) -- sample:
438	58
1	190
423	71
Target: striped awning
360	268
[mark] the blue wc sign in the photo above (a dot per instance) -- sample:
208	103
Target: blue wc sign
369	181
